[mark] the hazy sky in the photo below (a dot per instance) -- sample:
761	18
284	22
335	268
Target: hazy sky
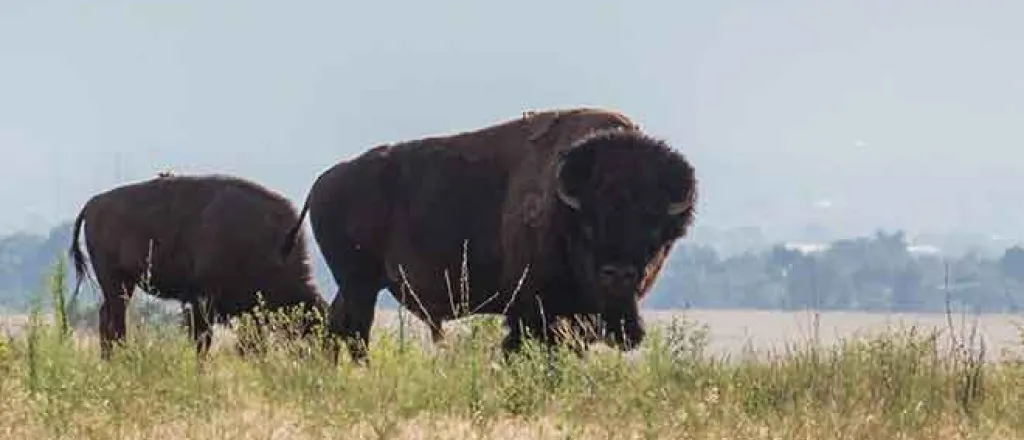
854	113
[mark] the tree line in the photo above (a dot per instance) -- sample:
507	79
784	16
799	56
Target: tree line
872	273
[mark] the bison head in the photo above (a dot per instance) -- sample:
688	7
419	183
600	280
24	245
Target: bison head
625	199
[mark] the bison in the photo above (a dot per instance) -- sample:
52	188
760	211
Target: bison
563	213
211	242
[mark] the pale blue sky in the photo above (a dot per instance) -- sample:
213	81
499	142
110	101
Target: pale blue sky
898	114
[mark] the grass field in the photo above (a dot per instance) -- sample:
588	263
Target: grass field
895	383
700	374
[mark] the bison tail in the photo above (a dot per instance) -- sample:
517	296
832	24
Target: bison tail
77	256
293	233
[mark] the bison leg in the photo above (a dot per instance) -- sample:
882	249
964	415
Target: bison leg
535	323
200	322
352	314
360	277
575	332
112	315
519	328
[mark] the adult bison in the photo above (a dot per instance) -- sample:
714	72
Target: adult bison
210	242
562	213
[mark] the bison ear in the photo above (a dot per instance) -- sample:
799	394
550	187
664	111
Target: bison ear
572	173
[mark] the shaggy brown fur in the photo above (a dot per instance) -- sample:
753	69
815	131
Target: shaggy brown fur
208	241
400	215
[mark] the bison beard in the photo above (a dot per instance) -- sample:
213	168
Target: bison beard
580	201
208	241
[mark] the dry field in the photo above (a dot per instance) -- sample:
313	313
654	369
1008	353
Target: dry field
895	381
732	332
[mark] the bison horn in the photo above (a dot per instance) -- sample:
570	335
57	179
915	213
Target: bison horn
563	195
678	207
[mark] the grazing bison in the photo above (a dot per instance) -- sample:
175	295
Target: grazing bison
210	242
562	213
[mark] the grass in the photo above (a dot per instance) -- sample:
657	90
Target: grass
901	384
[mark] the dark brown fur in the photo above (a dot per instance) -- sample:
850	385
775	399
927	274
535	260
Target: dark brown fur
208	241
402	214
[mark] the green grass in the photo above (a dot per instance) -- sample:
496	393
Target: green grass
900	384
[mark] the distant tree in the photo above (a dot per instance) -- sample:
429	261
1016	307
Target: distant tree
906	291
1012	263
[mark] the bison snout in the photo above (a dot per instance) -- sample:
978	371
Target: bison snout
625	333
616	276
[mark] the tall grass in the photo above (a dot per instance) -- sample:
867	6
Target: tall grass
899	384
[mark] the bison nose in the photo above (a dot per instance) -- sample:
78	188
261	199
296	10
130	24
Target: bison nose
618	275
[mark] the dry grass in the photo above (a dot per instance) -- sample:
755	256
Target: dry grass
730	333
895	385
906	383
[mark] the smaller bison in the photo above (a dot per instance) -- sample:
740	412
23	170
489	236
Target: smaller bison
207	241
